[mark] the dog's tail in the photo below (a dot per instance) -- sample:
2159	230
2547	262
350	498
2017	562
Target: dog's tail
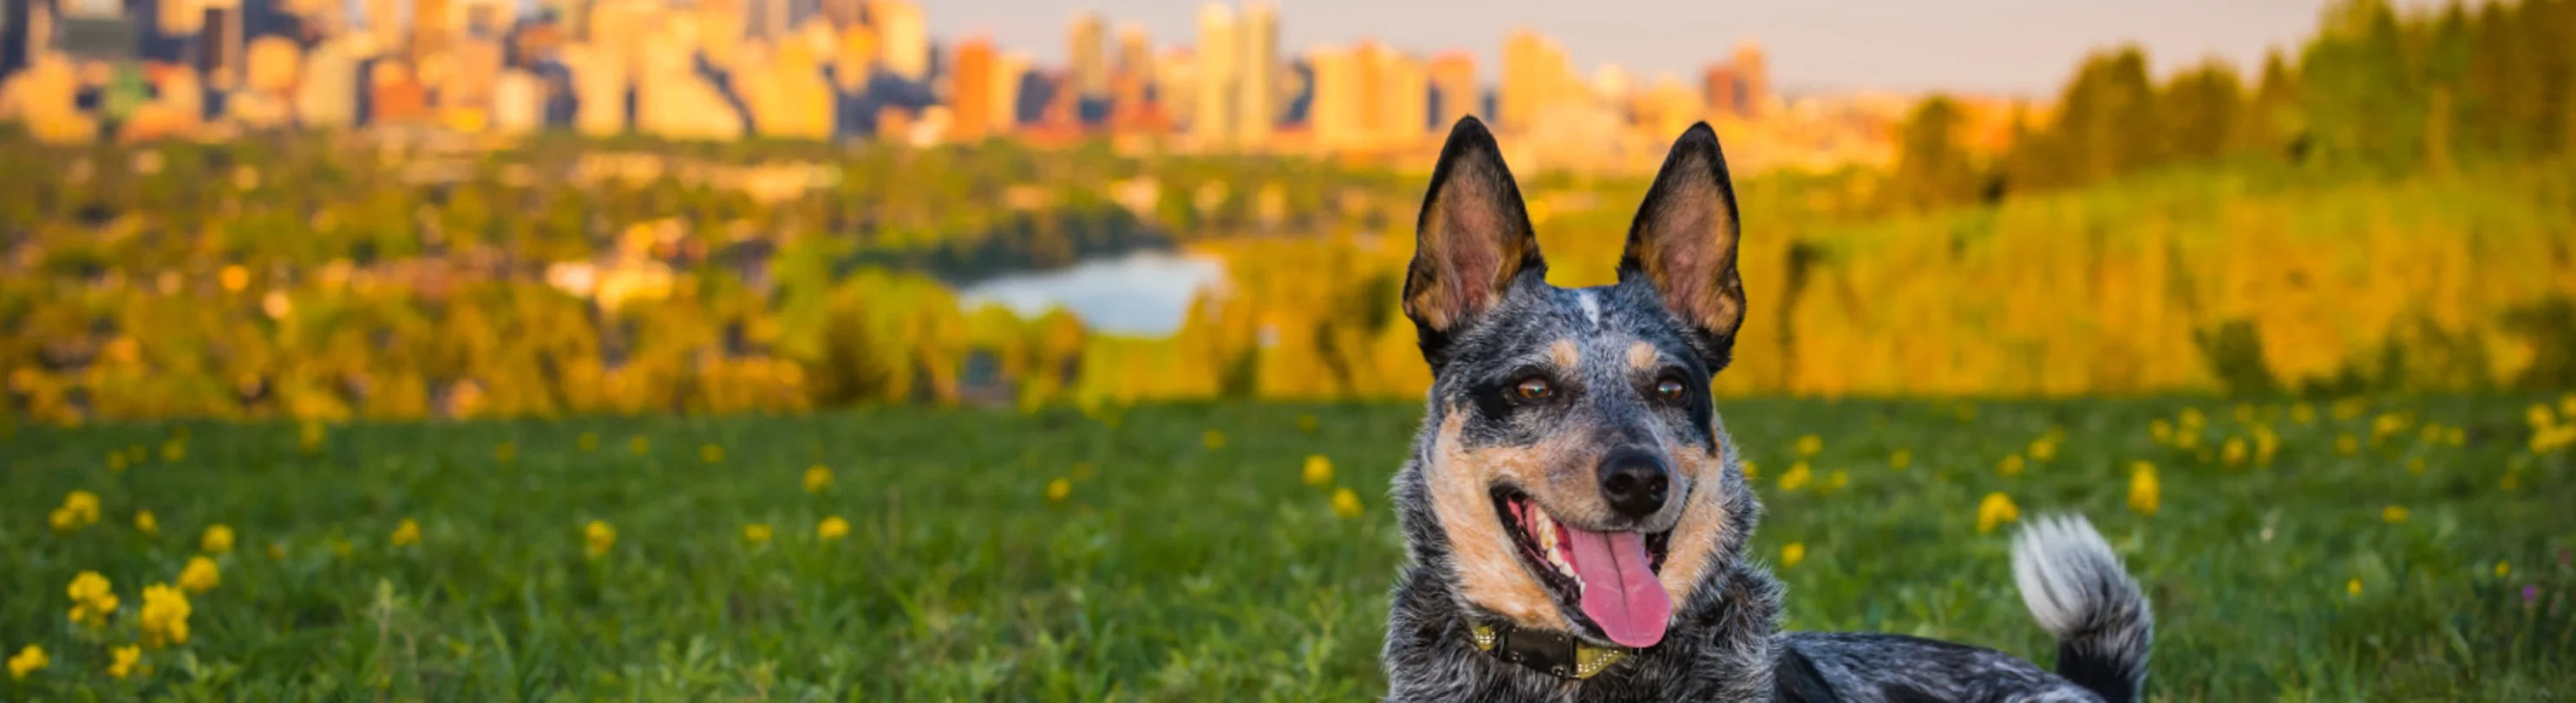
2075	587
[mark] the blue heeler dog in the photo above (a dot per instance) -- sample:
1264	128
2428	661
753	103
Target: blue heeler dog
1576	517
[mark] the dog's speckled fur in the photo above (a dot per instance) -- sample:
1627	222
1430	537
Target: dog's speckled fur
1607	357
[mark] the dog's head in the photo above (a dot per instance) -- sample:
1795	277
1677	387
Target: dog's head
1572	467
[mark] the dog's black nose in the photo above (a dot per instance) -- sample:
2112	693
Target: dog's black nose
1635	483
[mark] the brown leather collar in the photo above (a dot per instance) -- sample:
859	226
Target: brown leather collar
1554	653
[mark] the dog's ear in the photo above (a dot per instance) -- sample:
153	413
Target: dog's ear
1472	240
1683	243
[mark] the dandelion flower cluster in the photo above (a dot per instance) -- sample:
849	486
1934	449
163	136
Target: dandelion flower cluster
406	534
165	616
597	539
1213	439
125	659
1058	490
817	478
1997	509
2011	466
217	540
1792	554
2393	513
79	509
832	528
27	661
1901	459
1319	471
145	523
711	453
1346	503
92	598
755	534
1810	445
1797	477
2145	495
201	575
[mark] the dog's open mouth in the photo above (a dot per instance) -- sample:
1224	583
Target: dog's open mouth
1608	577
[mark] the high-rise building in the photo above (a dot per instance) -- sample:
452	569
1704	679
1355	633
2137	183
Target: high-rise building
1336	118
179	17
1404	89
1535	76
1176	85
1010	70
1212	121
385	22
1135	53
1755	77
1085	57
429	30
1258	75
970	90
327	95
1453	85
1720	91
221	47
903	36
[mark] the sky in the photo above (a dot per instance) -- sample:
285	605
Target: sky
1999	47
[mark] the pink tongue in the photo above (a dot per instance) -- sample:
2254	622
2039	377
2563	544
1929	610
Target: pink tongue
1619	592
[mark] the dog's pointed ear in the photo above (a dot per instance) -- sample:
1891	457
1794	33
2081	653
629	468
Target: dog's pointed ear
1683	243
1473	237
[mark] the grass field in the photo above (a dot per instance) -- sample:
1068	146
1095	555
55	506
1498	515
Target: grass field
1187	557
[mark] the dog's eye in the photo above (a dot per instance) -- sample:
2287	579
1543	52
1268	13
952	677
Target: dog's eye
1669	390
1534	388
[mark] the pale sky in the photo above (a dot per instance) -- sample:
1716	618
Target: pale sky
2026	47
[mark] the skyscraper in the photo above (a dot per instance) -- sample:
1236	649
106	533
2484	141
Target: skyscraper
1720	91
1258	77
1213	119
1755	78
904	37
970	90
1010	69
1535	76
1085	57
1453	81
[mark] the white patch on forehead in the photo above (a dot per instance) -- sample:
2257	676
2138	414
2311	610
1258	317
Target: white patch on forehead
1591	306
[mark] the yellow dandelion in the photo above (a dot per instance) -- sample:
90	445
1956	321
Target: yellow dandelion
93	598
2352	587
2043	449
2189	439
218	539
2387	424
2502	568
588	441
309	437
2346	445
832	528
2458	437
124	659
597	538
28	660
2145	494
200	575
2266	444
146	524
1792	554
1836	481
1901	459
2432	433
2567	404
164	617
234	278
64	520
1751	472
406	533
2234	452
116	462
1997	509
755	534
2162	431
174	450
2191	419
342	547
1810	445
1213	439
1058	490
1319	471
817	478
710	453
83	506
2011	466
2303	413
2539	416
2393	513
1346	503
639	445
504	452
1797	477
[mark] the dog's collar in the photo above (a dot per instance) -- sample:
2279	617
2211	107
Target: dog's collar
1554	653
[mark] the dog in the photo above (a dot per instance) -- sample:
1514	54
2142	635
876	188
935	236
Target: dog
1575	515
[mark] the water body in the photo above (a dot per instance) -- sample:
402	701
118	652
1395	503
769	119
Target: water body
1139	293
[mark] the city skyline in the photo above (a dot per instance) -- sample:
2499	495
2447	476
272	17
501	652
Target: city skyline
1818	47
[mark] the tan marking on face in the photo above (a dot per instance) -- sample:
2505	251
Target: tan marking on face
1694	542
1565	354
1641	356
1556	475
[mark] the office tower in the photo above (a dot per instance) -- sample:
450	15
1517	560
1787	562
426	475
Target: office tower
385	22
1176	85
1536	76
429	30
518	103
970	90
327	94
1720	91
1453	82
1135	53
271	63
1755	77
1085	57
1335	115
1217	61
857	57
179	18
1404	103
220	46
903	36
1010	70
1259	74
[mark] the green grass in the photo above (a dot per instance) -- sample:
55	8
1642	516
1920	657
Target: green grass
1177	571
